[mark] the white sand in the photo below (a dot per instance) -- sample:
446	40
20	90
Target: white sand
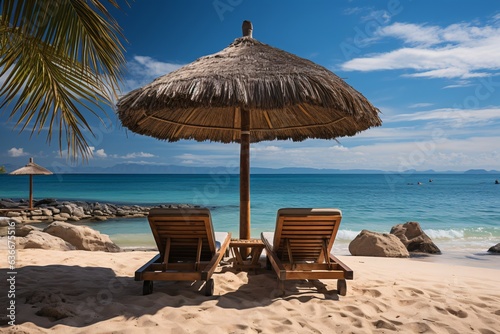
98	292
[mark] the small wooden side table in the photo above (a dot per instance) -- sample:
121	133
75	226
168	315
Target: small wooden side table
256	246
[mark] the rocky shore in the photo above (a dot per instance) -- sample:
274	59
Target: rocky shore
60	234
49	210
402	241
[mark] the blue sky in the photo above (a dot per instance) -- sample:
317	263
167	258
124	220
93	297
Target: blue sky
431	67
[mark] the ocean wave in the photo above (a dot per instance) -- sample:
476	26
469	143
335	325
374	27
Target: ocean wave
346	235
479	233
445	234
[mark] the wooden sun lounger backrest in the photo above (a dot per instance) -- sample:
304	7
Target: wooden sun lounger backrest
305	232
185	228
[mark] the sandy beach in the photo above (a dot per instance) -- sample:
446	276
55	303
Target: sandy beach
94	292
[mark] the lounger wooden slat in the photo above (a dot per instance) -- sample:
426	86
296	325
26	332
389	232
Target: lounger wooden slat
301	244
187	248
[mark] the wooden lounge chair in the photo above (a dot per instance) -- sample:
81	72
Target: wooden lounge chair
189	248
301	244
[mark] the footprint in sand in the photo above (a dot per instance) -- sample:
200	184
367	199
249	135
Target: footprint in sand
440	310
189	316
356	311
385	325
371	292
406	302
458	313
415	292
486	331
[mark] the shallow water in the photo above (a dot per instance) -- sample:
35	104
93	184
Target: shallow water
460	212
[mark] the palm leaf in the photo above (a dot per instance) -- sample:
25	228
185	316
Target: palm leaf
58	59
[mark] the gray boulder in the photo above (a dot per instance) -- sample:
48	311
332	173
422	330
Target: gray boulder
46	201
78	212
23	230
41	240
495	249
414	238
369	243
82	237
6	203
4	221
60	218
67	209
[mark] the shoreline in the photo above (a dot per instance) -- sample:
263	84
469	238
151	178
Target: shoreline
386	295
48	210
476	256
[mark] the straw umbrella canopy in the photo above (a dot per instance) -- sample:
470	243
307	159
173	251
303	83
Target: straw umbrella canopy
31	169
246	93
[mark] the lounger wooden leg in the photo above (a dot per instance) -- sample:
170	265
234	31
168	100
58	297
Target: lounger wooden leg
290	256
281	287
268	264
326	255
167	254
209	287
147	288
198	255
341	287
237	255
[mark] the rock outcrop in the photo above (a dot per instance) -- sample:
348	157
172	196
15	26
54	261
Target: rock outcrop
41	240
414	238
495	249
49	210
23	230
369	243
4	221
82	237
63	236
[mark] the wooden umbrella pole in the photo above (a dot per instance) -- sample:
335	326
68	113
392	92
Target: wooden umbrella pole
31	191
245	165
245	178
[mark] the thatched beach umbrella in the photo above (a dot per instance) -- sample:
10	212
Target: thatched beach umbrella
248	92
31	169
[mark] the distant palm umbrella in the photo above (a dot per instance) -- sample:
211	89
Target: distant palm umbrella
31	169
248	92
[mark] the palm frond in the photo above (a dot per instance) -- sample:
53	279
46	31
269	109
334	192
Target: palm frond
59	57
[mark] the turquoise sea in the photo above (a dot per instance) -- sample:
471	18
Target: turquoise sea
460	212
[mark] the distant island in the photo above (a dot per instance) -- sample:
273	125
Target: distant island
135	168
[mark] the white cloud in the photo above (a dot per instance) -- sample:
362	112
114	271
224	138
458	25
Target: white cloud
149	163
208	157
100	153
411	33
420	105
143	70
339	148
151	67
17	152
458	51
438	153
97	153
449	73
138	155
459	117
270	148
381	16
